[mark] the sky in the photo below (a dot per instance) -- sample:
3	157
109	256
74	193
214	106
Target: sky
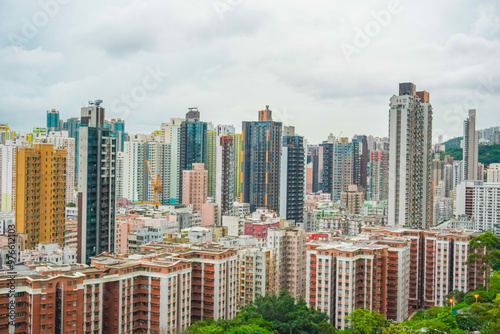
322	66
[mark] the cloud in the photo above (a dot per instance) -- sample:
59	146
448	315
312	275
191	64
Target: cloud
258	52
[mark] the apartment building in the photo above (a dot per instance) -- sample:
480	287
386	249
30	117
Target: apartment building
345	276
289	243
40	194
257	274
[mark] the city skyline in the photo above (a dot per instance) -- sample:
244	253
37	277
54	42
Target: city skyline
214	55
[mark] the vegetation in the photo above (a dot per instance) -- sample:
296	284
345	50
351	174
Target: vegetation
70	205
487	154
272	314
477	310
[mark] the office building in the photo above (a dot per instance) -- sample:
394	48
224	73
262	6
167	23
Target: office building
261	151
96	184
410	132
40	194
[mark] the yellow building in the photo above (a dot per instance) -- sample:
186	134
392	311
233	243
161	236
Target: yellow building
41	194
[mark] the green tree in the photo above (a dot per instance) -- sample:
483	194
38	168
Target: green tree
394	329
485	250
249	329
363	321
458	296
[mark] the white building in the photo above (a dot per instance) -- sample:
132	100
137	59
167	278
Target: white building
410	155
480	201
49	253
62	140
443	209
7	176
493	173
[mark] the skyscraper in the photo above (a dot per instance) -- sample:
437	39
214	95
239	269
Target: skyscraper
96	184
292	176
410	154
470	148
225	179
211	163
40	194
52	120
72	125
171	134
7	176
313	176
118	130
261	150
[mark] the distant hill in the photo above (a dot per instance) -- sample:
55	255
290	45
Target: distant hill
488	154
453	143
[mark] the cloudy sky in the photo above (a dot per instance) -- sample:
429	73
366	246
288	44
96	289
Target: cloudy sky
323	66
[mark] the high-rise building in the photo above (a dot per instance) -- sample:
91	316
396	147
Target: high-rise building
61	140
289	244
410	131
470	148
134	171
225	170
96	184
195	186
326	166
53	120
352	198
437	169
118	131
193	142
361	157
379	176
257	274
40	194
211	162
120	170
448	179
72	125
292	176
237	141
343	163
480	201
312	174
7	176
260	167
493	173
171	134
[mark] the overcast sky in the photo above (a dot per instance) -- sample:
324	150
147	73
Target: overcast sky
323	66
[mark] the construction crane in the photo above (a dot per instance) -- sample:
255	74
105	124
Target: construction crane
155	183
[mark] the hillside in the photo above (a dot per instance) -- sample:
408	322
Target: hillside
488	154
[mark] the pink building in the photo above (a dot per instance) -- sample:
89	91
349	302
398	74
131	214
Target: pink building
209	214
259	229
195	186
125	225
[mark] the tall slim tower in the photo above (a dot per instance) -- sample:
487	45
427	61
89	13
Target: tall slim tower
410	156
96	184
343	163
261	150
292	176
470	147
